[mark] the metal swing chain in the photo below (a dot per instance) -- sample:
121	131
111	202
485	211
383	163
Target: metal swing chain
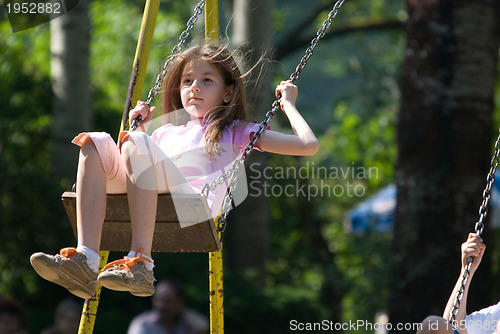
233	173
479	227
168	63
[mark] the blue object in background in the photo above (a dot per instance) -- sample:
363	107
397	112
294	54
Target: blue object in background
374	215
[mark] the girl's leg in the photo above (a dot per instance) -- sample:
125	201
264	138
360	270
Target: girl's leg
91	196
148	175
76	269
142	200
135	273
147	168
92	184
142	205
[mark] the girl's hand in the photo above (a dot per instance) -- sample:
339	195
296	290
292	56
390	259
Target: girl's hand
473	247
288	93
142	109
303	141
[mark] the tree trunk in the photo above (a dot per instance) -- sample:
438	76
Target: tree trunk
444	141
249	230
69	47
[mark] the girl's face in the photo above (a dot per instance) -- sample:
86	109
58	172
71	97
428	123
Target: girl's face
202	88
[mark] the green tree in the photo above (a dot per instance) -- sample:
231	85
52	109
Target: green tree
70	74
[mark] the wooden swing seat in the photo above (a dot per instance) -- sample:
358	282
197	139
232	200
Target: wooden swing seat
168	236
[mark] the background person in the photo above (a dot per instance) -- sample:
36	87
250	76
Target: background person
169	314
66	319
11	316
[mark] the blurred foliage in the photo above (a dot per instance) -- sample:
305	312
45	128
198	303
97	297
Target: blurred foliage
353	105
27	183
349	93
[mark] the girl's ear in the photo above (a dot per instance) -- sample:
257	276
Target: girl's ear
228	96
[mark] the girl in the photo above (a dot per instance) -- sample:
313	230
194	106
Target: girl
205	82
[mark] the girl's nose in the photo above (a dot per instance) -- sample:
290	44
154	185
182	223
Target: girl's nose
194	86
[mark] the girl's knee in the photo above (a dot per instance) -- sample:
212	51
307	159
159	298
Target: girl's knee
88	148
135	145
129	154
127	141
128	149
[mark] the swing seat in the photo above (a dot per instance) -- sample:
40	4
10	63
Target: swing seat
168	236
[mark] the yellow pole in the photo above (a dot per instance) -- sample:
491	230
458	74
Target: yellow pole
212	22
89	311
215	263
141	57
216	292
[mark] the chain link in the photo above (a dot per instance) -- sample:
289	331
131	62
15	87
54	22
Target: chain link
314	43
479	227
230	174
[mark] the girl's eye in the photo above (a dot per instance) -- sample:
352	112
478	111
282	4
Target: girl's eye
207	80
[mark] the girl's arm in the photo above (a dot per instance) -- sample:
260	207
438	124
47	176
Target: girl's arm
472	247
303	141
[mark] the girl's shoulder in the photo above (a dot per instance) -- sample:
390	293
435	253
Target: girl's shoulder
241	125
246	126
241	131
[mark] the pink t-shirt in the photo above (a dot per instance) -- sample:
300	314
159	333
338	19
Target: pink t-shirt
185	146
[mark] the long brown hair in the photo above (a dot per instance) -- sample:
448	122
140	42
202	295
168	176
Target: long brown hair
221	117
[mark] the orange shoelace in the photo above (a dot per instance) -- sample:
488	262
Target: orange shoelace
68	251
127	264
